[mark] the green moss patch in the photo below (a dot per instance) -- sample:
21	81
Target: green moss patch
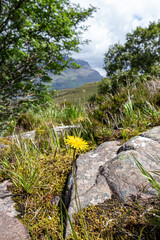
116	220
36	205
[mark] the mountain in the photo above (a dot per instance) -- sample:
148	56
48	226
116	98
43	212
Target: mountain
72	78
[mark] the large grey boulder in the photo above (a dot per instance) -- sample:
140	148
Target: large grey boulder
112	169
92	188
125	179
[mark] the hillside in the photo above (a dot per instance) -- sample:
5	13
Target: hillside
72	78
76	95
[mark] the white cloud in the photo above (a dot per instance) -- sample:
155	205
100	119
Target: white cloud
111	22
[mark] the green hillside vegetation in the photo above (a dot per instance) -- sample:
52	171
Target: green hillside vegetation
76	95
127	103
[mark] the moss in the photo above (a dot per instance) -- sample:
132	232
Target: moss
5	140
127	133
116	220
36	208
39	213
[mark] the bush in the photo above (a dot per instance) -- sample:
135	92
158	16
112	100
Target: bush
104	86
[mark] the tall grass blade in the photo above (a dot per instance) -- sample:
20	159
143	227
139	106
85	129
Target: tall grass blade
149	177
70	222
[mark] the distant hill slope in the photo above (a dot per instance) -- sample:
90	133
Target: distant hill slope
76	95
72	78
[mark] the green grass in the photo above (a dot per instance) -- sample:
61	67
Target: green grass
76	95
131	110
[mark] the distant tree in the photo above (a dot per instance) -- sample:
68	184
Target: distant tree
137	58
35	36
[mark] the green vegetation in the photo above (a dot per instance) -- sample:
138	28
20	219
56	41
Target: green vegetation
126	113
35	37
38	168
77	95
136	60
114	220
35	202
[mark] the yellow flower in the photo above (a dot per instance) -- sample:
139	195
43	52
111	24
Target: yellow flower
76	143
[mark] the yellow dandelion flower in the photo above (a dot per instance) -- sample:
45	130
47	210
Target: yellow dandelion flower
76	143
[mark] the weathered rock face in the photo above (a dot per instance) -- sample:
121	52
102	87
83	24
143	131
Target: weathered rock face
6	202
112	169
125	179
10	227
154	134
92	187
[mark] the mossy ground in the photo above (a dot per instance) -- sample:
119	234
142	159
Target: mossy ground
38	209
116	220
38	205
107	117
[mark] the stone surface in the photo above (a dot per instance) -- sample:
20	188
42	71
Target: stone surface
92	187
125	179
153	85
6	202
153	133
145	146
112	169
10	227
1	146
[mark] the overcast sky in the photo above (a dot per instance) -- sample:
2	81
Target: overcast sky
111	22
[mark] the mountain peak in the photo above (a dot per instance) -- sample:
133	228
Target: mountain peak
72	78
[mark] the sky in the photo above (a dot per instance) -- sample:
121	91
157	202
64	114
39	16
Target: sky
112	21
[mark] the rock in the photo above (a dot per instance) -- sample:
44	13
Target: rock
10	227
145	146
122	174
153	133
92	186
110	169
6	202
1	146
125	179
153	86
61	129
